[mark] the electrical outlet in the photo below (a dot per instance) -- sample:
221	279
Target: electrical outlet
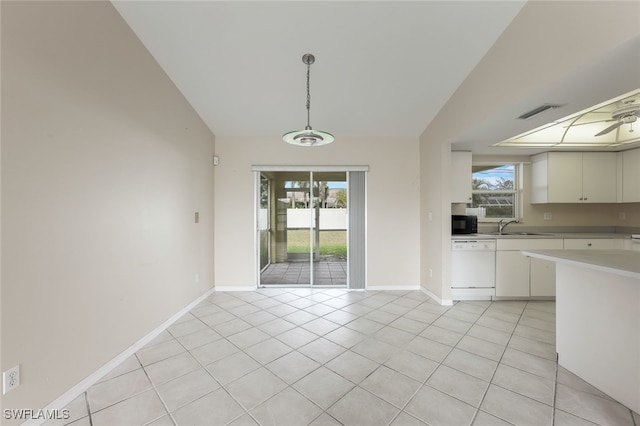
197	278
547	216
622	216
11	379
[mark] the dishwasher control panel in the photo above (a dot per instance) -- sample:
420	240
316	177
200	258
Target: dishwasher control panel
472	245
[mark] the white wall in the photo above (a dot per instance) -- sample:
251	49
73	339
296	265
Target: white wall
103	165
392	199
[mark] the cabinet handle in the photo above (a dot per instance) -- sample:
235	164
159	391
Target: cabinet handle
585	198
589	244
580	198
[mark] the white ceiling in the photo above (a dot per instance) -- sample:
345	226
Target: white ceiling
383	68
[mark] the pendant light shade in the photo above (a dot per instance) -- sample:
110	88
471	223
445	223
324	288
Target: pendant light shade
308	136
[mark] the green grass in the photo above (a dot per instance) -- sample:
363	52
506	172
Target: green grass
331	242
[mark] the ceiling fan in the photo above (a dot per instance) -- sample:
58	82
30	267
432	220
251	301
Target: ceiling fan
628	114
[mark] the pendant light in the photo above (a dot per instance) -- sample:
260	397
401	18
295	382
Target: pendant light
308	136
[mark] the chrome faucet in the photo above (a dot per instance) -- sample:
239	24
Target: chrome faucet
502	224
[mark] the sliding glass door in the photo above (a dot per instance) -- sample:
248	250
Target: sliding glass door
302	228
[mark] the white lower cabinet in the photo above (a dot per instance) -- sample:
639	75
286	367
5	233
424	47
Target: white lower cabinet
632	244
512	274
542	276
594	243
520	276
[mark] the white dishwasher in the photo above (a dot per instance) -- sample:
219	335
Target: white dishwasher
473	269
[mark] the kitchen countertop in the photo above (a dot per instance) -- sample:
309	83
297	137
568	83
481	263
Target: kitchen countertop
535	235
619	262
598	318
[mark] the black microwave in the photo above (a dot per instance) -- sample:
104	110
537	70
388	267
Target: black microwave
464	224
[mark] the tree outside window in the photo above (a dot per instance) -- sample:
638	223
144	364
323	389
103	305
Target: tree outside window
494	189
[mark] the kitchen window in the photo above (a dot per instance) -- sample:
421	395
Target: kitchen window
494	194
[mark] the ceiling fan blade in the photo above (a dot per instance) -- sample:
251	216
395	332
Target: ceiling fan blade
610	128
588	122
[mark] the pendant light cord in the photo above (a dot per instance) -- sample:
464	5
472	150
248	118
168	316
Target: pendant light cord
308	136
308	95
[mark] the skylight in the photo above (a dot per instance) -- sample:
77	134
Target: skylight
609	124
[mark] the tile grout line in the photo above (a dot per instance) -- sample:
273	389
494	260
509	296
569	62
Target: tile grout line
553	407
290	386
205	368
497	366
397	296
424	382
86	401
477	410
246	411
357	385
155	389
555	392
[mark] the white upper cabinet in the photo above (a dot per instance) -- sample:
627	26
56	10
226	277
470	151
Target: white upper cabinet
599	177
565	177
631	176
574	177
460	176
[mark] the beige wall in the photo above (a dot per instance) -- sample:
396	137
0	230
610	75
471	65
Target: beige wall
583	215
516	65
435	218
103	165
392	203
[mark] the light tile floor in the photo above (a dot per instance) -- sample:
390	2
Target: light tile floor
330	357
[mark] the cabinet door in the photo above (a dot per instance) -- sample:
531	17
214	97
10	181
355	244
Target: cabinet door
512	274
632	244
631	176
599	177
596	243
543	277
460	177
565	177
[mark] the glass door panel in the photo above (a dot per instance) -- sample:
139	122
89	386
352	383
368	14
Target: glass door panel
264	224
290	229
329	229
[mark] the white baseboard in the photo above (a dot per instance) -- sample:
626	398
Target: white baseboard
393	287
443	302
235	288
67	397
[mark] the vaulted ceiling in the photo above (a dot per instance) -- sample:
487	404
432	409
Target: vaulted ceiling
383	68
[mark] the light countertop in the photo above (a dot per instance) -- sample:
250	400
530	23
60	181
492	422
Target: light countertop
620	262
535	235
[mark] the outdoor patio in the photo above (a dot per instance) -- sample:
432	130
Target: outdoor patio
326	273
